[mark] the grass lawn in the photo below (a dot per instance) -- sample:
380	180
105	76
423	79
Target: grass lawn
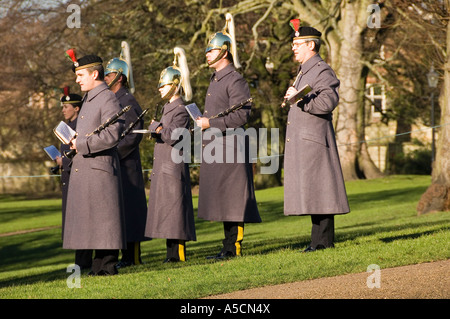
383	228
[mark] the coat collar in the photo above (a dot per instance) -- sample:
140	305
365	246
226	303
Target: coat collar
121	92
172	105
310	63
95	91
218	75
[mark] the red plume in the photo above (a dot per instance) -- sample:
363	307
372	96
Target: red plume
66	91
72	55
295	24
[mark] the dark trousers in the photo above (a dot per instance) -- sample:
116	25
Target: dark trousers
83	258
322	231
176	249
234	235
132	253
105	261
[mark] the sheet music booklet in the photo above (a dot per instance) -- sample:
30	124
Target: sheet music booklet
64	132
193	111
52	152
300	94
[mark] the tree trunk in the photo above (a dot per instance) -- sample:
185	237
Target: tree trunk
349	72
437	196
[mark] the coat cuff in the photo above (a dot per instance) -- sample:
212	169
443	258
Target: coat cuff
82	145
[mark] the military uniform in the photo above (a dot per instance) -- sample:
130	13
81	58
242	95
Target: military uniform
83	257
313	180
170	210
95	213
135	201
226	190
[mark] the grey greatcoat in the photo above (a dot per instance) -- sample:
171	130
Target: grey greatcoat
135	201
226	190
170	211
313	181
94	212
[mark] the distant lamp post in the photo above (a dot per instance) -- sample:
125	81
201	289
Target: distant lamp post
433	79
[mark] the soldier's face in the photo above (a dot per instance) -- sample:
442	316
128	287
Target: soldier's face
211	55
110	77
164	90
85	79
301	50
70	112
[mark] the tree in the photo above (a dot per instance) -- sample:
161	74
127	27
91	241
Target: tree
437	196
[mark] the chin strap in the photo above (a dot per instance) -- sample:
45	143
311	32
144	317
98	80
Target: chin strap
223	50
172	91
118	74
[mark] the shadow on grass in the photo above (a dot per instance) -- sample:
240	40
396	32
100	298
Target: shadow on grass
45	248
412	236
373	198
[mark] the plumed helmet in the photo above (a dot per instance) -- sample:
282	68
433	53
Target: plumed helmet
117	65
122	66
219	40
170	75
177	76
225	42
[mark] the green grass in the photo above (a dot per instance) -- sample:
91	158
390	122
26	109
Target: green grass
383	228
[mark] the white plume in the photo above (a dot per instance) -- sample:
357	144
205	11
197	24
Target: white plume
180	55
231	31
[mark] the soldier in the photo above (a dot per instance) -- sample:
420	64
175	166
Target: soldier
71	106
118	76
170	210
94	214
226	190
313	181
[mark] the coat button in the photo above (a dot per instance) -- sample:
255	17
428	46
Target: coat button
76	169
289	122
288	139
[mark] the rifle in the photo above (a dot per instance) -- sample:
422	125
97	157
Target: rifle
108	122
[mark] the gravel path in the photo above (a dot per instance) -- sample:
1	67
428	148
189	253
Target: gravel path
421	281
